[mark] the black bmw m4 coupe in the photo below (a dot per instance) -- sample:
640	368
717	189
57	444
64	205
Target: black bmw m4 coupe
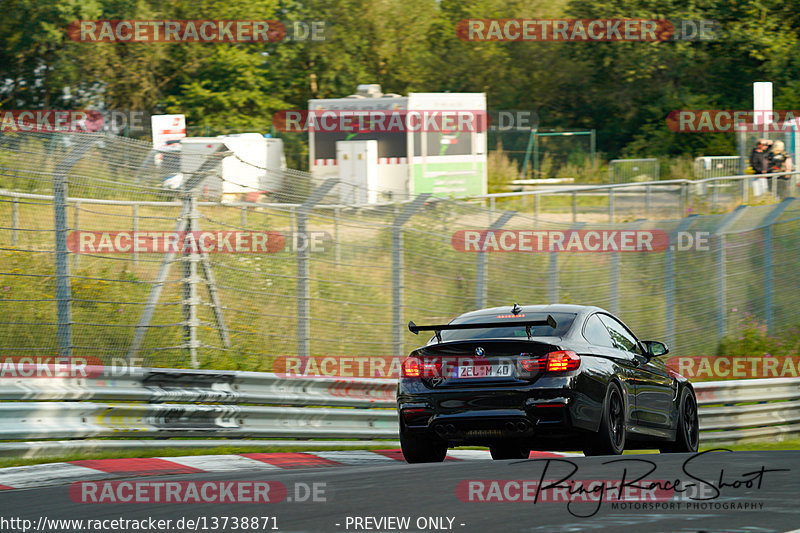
541	377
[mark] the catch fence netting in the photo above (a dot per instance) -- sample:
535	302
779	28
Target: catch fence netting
328	278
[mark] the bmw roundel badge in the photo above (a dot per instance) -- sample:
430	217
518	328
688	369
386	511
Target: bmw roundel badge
479	351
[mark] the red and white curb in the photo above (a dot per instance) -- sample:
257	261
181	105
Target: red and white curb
24	477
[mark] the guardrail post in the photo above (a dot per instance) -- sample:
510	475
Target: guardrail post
63	290
397	269
14	220
482	275
303	297
611	205
244	216
719	237
768	271
669	278
537	205
647	199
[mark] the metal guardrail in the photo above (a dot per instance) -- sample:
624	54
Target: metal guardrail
748	410
672	195
160	403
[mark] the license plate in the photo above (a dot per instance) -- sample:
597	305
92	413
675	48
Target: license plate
483	371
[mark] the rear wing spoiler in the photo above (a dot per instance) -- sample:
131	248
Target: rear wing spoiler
438	328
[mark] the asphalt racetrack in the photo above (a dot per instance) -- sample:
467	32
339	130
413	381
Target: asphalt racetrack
720	492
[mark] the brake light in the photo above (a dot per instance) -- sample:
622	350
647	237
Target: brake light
561	361
414	367
533	365
411	367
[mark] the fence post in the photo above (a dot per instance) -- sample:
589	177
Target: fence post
190	279
75	227
552	279
684	199
611	205
482	275
14	220
574	206
303	297
337	252
714	193
669	278
244	216
135	231
768	270
537	205
397	269
647	199
183	224
745	189
552	271
719	237
63	290
614	273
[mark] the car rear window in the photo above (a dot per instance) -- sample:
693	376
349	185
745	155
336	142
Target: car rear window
506	330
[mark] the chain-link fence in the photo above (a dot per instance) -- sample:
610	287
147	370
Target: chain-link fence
717	166
627	170
87	266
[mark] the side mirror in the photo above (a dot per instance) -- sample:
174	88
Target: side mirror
655	348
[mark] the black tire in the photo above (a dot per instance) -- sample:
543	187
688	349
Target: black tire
422	448
509	450
687	436
610	437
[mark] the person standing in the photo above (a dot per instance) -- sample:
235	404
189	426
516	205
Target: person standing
759	156
779	161
759	162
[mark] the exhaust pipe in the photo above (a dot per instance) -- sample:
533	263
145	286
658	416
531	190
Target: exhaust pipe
439	429
450	429
510	426
522	426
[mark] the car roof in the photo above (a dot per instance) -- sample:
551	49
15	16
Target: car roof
540	308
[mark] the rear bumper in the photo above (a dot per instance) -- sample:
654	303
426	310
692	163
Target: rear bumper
463	416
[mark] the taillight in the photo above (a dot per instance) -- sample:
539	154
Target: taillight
411	367
533	365
414	367
561	361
